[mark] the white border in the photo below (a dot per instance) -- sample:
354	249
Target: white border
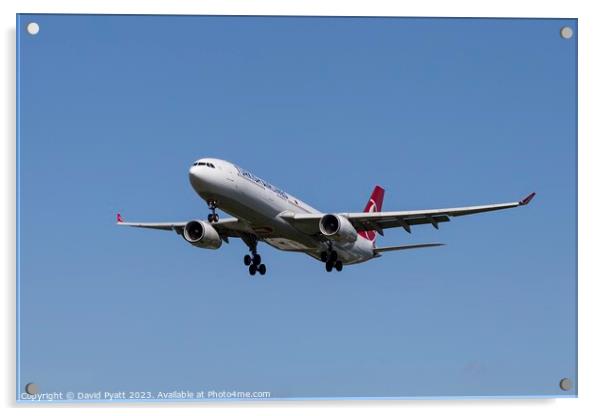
590	71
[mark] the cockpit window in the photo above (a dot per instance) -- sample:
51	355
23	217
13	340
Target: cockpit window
210	165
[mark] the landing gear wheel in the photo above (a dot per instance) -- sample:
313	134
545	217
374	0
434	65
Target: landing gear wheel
338	265
253	260
329	266
212	217
324	256
333	256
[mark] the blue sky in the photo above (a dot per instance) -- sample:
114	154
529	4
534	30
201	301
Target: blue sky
440	112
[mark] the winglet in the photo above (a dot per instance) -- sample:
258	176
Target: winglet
119	218
527	199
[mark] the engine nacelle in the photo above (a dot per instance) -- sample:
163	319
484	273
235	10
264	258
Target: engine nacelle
202	234
337	227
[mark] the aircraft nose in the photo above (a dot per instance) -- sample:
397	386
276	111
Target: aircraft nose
199	177
194	175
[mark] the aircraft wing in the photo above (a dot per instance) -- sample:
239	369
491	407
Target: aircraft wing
227	227
405	247
377	221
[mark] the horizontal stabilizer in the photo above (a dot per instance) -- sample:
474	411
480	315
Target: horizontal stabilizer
406	247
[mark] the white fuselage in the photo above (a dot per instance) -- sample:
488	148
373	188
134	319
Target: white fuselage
260	204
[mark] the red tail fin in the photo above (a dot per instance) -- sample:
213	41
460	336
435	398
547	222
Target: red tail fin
374	204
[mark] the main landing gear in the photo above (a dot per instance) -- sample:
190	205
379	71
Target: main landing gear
255	265
253	260
213	216
330	257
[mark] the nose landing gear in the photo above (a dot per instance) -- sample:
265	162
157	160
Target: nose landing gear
213	216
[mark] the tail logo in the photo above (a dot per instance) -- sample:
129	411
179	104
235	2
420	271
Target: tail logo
374	205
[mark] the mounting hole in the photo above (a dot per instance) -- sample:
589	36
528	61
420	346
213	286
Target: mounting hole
566	384
566	32
31	388
33	28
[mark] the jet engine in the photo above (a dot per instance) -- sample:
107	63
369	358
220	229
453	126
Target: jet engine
337	227
202	234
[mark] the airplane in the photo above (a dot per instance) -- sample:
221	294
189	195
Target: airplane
261	212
